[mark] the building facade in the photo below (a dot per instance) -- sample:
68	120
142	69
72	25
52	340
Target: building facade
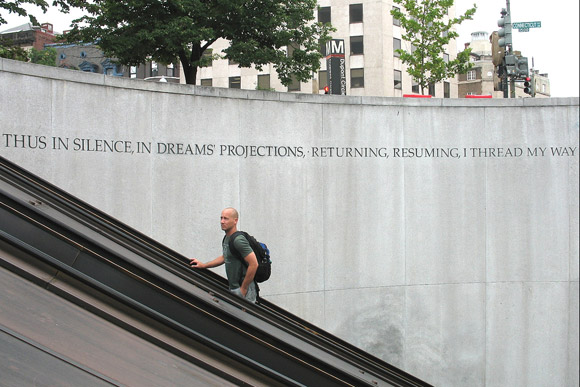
90	58
28	36
371	35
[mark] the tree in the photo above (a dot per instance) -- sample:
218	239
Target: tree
45	57
10	51
17	7
7	49
428	29
259	32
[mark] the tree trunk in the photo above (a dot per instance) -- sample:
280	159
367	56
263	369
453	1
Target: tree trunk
190	70
190	73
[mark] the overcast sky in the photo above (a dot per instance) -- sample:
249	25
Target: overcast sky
553	47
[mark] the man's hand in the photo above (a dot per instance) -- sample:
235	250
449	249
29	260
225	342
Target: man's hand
252	262
195	263
244	290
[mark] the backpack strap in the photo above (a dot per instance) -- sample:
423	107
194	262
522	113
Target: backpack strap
233	248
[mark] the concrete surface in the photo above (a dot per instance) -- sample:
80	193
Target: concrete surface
460	266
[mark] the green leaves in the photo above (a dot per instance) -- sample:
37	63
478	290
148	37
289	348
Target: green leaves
135	31
16	6
9	51
45	57
428	29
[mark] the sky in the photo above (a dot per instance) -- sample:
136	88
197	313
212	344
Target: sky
552	48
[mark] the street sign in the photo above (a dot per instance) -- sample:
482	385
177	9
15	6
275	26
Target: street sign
525	26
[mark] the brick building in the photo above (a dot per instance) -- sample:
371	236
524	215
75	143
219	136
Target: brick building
28	36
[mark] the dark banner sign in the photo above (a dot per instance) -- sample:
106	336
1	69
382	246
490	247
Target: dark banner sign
336	67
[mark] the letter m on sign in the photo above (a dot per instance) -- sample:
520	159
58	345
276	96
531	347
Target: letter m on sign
335	47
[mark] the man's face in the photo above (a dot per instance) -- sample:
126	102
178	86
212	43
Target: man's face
227	220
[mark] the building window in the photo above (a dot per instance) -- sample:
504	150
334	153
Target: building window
357	78
170	70
356	45
396	22
264	82
396	46
415	87
324	15
290	49
432	89
471	75
446	58
398	79
154	69
206	82
235	82
294	85
322	79
446	90
356	13
207	57
322	48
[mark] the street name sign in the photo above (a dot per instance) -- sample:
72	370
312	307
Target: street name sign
525	26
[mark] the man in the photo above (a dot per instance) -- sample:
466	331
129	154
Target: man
240	275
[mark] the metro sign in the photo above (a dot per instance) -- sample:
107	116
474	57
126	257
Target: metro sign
336	66
335	47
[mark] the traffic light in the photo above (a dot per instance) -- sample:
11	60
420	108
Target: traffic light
522	67
511	65
505	31
326	90
529	86
497	52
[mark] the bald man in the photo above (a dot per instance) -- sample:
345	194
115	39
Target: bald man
240	273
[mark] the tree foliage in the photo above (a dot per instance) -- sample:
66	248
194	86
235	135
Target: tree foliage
17	7
9	51
136	31
45	57
428	29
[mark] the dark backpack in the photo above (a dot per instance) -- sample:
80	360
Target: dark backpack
262	255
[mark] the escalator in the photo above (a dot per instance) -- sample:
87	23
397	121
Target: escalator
117	294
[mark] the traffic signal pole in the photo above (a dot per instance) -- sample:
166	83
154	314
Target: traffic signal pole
511	50
511	65
505	42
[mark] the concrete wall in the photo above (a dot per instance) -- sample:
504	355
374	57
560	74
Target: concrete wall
460	266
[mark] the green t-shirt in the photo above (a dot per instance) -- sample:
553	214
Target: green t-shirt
235	268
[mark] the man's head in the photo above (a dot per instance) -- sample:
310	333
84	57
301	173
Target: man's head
229	220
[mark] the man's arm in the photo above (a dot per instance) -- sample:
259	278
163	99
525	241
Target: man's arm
252	262
195	263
